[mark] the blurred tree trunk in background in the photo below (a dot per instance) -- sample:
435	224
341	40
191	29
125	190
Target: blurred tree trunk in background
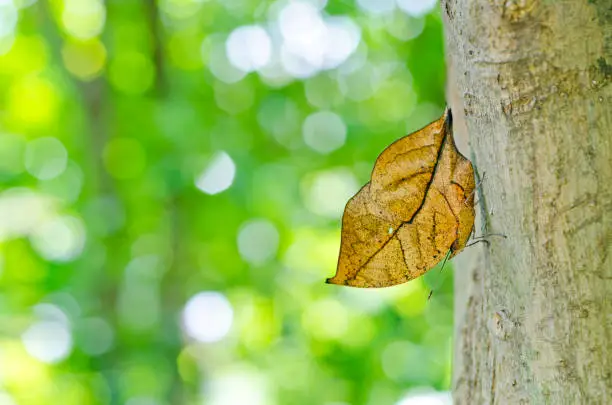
532	85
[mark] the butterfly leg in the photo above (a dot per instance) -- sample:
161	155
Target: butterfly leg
469	197
485	239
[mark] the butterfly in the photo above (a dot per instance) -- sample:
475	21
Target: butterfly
417	209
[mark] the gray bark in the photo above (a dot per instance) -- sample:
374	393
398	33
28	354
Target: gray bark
531	87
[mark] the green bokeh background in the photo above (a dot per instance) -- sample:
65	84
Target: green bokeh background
110	114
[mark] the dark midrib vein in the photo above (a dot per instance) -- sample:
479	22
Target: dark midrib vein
433	176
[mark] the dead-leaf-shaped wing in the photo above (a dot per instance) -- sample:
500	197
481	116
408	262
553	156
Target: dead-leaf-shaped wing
417	206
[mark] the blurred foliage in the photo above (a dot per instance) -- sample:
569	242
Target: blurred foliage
172	177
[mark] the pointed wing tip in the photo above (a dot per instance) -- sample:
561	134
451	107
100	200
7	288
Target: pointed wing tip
335	280
330	280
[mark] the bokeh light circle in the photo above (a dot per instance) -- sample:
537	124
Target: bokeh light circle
249	48
324	131
218	176
258	241
208	317
48	341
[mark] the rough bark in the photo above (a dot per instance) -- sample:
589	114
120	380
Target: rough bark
533	81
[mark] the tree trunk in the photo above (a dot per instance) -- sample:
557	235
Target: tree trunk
533	86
